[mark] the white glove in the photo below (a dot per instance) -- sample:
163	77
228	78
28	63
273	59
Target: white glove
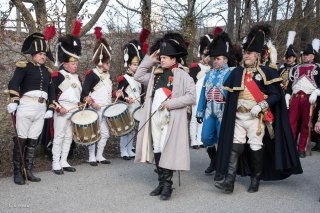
255	110
12	107
314	95
287	97
48	114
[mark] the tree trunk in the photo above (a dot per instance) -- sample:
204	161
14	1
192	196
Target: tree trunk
41	14
295	23
238	21
30	23
274	7
246	17
71	14
230	24
146	14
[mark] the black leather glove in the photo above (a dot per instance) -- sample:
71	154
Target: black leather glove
199	120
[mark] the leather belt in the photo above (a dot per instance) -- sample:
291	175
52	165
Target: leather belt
37	99
243	109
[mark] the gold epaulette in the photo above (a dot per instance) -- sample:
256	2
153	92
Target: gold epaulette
21	64
157	70
273	66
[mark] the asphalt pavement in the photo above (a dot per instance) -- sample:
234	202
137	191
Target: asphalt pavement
124	186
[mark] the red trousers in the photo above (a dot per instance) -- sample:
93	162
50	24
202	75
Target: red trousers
300	108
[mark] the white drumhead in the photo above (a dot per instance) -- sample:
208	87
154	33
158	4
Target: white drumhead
84	117
115	109
137	114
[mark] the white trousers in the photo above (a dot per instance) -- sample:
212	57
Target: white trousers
62	140
159	127
93	156
247	126
126	146
195	128
30	118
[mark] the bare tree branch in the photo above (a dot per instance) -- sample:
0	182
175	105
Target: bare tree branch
128	8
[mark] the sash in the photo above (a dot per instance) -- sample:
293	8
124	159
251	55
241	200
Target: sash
257	95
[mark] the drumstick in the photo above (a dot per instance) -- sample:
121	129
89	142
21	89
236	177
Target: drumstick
117	97
85	105
138	97
72	108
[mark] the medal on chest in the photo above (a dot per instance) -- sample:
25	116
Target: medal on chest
170	81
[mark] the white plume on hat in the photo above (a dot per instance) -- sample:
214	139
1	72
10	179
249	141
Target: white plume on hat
273	52
316	44
290	39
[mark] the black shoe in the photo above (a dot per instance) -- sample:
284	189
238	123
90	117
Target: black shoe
218	177
126	158
195	147
58	172
93	163
18	179
105	162
254	185
166	182
227	185
31	177
69	169
156	191
316	147
302	154
201	146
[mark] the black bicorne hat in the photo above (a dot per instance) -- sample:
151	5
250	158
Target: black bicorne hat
173	44
132	52
290	51
36	43
257	38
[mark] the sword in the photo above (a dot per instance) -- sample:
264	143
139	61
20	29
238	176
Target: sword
308	146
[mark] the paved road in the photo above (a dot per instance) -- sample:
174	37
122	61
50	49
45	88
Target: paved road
124	186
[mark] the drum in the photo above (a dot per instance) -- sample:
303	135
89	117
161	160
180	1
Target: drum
136	115
118	118
86	127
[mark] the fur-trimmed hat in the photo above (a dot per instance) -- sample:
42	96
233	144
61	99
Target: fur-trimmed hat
68	48
102	50
290	48
203	45
132	52
220	45
312	48
257	38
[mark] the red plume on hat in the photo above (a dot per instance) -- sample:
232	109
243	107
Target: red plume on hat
143	37
76	28
98	33
49	32
216	31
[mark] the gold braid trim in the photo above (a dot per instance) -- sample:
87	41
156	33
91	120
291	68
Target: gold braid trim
265	78
13	92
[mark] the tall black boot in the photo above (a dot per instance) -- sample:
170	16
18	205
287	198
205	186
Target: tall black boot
167	184
28	159
17	161
212	154
256	161
157	191
228	184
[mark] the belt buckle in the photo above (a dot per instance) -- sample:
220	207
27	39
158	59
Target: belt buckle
41	100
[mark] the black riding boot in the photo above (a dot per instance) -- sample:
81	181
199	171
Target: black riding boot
17	161
157	191
28	159
256	160
228	184
167	184
212	154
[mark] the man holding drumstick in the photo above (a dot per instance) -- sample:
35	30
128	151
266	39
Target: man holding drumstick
68	88
97	91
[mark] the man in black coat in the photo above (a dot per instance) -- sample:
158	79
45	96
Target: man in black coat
255	133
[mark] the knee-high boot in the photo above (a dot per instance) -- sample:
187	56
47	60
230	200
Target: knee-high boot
212	154
167	184
157	191
228	184
256	161
28	159
18	150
